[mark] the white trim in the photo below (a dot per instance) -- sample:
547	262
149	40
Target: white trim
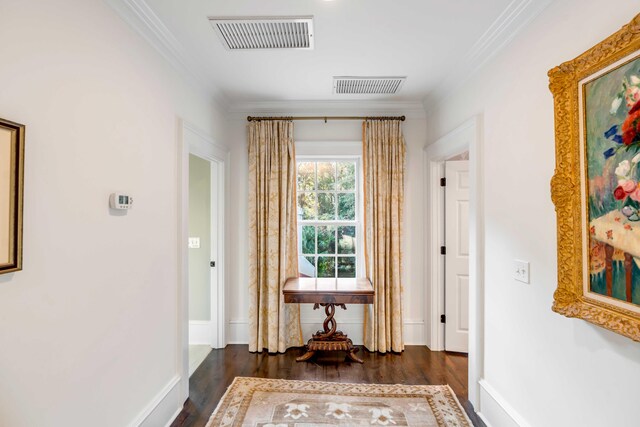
191	140
200	332
238	332
141	17
515	17
162	406
496	411
466	136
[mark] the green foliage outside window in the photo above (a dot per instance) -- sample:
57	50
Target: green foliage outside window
327	192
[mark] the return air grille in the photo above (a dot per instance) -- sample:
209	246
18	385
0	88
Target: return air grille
367	85
239	33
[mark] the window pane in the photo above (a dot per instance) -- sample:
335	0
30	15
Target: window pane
347	206
308	239
347	266
326	240
326	206
308	266
326	266
306	176
346	240
307	205
346	176
326	176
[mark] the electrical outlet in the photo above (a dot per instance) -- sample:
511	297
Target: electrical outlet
194	243
521	270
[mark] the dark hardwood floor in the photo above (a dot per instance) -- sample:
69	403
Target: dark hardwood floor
417	365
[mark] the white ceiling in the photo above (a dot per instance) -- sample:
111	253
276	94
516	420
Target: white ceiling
425	40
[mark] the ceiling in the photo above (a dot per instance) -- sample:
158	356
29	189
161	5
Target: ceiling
425	40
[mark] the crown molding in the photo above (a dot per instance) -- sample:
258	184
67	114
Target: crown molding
411	109
516	16
139	15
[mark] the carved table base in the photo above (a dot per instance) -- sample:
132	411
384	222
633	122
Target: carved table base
330	339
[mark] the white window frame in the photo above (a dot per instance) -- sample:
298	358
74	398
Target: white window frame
359	206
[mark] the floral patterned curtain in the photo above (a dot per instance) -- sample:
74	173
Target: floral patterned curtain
383	170
273	239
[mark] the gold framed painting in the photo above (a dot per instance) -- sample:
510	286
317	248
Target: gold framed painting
596	184
11	195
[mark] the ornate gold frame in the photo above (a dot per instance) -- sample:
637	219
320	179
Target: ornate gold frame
16	189
569	298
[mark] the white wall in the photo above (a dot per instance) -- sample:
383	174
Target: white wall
89	329
333	131
552	371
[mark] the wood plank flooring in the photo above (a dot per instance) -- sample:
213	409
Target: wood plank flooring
417	365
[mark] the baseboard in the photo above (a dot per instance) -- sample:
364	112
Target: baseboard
199	332
495	411
413	331
164	408
238	332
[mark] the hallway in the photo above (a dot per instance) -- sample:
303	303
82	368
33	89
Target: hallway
417	365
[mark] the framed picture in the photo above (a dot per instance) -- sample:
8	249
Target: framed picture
596	185
11	194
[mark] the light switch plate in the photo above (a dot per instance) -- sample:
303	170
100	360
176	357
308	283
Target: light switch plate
194	243
521	270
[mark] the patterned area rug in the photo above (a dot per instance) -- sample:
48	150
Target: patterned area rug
260	402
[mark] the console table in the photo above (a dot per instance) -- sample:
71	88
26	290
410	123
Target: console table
329	293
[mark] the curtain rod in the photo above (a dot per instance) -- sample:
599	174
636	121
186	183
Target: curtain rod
325	118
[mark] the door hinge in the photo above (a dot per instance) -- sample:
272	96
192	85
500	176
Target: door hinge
443	318
212	263
443	250
443	182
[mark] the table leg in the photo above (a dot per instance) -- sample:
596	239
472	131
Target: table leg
308	355
608	251
628	268
330	339
351	355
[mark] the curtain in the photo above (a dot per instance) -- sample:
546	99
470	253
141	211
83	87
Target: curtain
273	241
383	172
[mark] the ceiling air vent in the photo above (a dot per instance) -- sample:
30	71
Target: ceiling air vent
367	85
281	32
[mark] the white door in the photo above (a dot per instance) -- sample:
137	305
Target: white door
457	256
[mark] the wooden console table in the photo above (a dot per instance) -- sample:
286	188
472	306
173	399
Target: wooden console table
329	293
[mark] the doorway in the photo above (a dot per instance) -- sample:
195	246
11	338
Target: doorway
203	192
465	138
202	254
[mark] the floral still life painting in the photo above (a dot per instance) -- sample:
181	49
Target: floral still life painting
596	183
612	131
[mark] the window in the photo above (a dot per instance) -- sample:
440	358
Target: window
328	217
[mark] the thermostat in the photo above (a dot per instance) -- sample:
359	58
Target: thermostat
120	201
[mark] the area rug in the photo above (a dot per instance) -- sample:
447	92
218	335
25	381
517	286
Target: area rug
260	402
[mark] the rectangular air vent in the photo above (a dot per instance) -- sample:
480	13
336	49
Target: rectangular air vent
367	85
282	32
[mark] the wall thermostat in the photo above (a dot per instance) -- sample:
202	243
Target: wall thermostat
120	201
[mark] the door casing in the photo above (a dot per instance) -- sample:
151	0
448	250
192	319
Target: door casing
467	136
192	140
